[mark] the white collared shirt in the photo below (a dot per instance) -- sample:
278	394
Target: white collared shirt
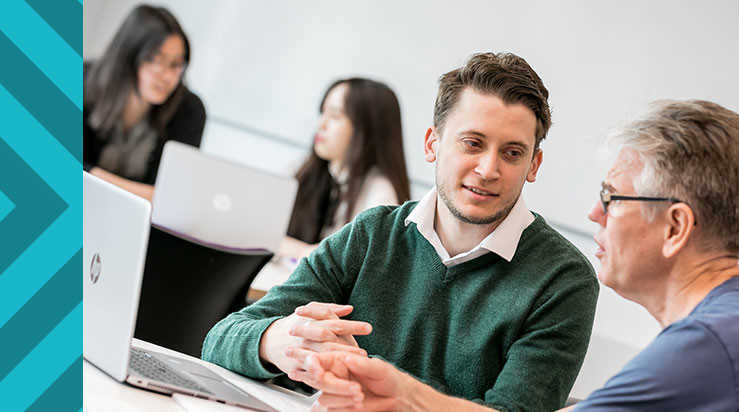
502	241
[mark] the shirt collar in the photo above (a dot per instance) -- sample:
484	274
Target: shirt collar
502	241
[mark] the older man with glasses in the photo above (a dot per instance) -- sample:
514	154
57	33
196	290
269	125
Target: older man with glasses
684	158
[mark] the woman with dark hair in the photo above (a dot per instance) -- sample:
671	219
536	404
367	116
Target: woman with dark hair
357	163
134	101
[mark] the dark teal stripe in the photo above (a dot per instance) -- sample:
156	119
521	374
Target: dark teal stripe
65	394
36	205
40	96
30	325
65	17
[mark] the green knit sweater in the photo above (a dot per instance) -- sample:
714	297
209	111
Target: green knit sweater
511	335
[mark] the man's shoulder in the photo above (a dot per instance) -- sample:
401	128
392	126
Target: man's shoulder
706	338
686	367
688	357
386	215
382	227
692	344
544	245
718	318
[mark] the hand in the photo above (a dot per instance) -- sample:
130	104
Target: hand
383	387
313	328
327	372
139	189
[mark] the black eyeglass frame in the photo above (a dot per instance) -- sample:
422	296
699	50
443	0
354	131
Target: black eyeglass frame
606	198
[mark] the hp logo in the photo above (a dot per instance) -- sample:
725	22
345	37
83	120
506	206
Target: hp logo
95	268
222	202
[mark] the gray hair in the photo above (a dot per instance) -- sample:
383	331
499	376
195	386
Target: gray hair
690	151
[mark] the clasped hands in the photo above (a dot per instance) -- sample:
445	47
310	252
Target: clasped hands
315	346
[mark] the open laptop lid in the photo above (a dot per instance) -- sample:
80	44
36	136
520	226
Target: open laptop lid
116	232
220	202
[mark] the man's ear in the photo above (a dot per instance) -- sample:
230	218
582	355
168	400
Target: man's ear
535	163
679	227
431	145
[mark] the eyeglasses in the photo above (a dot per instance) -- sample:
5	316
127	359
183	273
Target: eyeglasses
160	64
606	198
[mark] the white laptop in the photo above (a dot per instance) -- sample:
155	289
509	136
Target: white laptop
220	202
116	232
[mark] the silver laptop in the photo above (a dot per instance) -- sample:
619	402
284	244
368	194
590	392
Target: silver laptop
220	202
116	232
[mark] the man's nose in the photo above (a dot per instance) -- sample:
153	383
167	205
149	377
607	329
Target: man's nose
597	215
487	167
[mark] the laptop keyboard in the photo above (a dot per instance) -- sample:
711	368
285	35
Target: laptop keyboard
152	368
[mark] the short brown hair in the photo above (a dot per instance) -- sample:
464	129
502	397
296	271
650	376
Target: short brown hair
504	75
690	151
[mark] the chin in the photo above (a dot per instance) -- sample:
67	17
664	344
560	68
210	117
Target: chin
158	100
321	155
607	279
478	218
487	215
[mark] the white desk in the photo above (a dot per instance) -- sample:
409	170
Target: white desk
103	393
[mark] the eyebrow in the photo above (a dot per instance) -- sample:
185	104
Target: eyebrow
472	132
607	186
482	135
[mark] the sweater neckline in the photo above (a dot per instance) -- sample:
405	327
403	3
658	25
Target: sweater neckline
491	257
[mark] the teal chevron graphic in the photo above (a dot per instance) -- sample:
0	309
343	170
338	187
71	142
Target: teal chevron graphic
63	292
57	398
36	206
6	206
41	205
41	45
65	17
40	96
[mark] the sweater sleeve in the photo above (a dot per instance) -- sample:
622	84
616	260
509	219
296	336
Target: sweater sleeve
327	275
542	364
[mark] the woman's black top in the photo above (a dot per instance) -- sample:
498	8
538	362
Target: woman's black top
186	126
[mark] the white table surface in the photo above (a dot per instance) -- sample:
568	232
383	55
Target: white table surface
103	393
274	273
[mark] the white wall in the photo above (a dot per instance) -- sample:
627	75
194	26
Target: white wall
261	68
264	65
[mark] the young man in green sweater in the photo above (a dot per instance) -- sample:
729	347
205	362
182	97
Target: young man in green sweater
468	292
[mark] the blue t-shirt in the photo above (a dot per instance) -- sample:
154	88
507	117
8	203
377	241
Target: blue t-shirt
692	365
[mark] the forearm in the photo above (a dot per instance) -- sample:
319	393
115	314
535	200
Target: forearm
234	343
269	345
421	397
138	189
241	342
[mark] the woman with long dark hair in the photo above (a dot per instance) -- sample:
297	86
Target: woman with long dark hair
357	163
134	101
